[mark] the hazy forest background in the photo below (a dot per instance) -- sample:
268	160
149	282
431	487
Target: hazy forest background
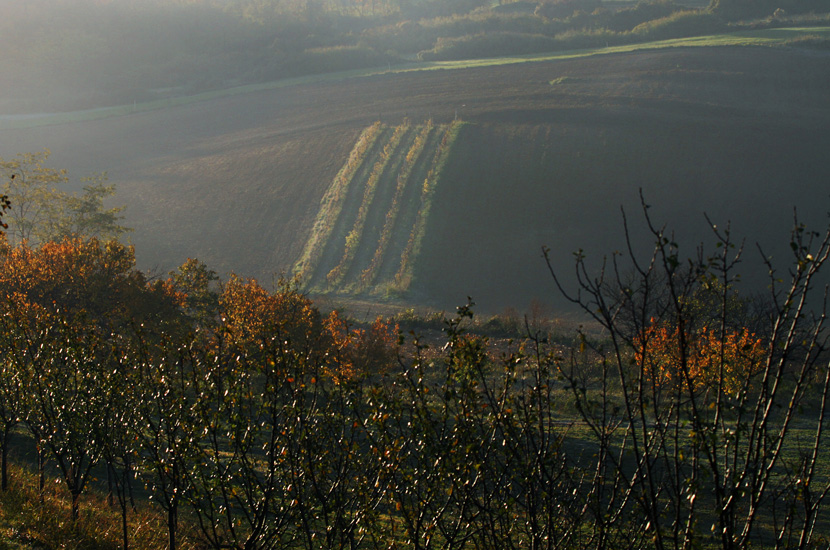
89	54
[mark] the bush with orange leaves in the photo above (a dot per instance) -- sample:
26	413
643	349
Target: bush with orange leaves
704	358
260	320
253	315
356	353
77	275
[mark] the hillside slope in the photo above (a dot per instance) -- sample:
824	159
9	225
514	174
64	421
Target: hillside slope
551	151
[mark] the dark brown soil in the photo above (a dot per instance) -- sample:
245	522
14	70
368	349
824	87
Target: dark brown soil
555	149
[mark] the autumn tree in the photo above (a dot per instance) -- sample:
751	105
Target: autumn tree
63	361
10	385
87	275
265	353
704	358
282	459
238	486
121	428
357	353
695	421
11	395
168	372
344	483
63	305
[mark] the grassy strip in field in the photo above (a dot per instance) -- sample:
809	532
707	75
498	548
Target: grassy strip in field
332	203
762	37
369	274
411	200
406	163
353	238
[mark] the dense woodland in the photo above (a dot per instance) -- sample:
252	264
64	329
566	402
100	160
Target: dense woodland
86	54
693	417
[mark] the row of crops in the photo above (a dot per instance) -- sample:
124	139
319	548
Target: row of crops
368	233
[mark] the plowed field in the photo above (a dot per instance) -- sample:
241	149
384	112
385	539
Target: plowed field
552	152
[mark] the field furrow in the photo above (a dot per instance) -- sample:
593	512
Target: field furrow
403	278
332	203
417	143
368	231
382	205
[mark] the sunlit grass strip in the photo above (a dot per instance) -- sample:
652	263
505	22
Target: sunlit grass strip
415	151
763	37
335	276
413	247
331	205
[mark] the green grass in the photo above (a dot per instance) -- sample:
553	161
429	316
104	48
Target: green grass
763	37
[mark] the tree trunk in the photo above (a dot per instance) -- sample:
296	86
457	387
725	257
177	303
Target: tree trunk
41	470
172	520
76	506
124	530
110	473
4	455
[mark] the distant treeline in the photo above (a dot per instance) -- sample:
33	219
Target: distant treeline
67	55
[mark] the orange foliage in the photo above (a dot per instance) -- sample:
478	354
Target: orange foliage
77	275
253	315
739	353
356	353
256	317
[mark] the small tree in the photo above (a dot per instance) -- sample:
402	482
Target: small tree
166	369
11	394
64	305
40	211
695	420
62	361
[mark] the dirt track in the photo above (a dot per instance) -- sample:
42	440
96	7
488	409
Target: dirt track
237	181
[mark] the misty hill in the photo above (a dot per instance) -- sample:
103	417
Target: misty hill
547	154
61	55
